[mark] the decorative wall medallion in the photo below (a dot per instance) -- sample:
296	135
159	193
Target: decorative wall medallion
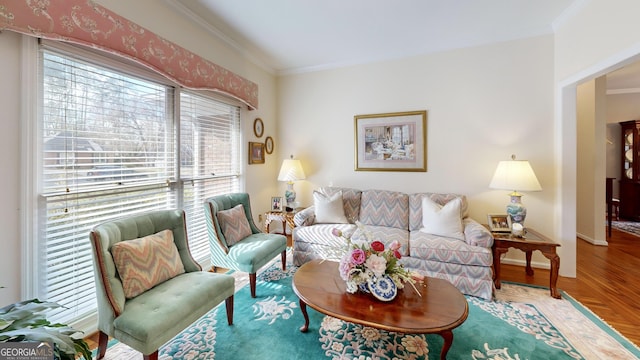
258	127
268	145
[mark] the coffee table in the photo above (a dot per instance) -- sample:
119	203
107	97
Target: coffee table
440	309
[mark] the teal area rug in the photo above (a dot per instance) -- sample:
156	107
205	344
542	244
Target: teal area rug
630	227
522	323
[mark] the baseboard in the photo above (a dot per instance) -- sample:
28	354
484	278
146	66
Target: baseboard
592	240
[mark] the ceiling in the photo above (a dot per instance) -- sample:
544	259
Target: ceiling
294	36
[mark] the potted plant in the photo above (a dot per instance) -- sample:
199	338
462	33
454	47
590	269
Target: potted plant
26	321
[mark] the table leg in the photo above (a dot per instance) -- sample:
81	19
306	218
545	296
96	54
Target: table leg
303	308
497	252
553	275
528	269
447	335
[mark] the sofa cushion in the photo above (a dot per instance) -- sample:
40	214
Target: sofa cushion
234	224
146	262
436	248
329	209
385	208
384	234
415	206
350	200
442	220
160	313
319	239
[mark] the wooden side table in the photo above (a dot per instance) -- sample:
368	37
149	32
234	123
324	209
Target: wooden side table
532	241
286	218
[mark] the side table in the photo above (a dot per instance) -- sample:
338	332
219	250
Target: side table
532	241
286	218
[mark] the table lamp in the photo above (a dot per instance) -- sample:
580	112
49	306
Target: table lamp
290	171
515	175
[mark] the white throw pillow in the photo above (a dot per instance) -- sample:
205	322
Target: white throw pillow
329	209
442	220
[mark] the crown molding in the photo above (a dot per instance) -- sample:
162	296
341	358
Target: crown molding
573	9
214	31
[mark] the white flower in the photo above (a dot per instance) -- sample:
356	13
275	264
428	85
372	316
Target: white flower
376	264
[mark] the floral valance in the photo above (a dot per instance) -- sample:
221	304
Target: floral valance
87	23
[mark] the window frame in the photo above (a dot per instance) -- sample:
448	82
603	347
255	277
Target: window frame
32	133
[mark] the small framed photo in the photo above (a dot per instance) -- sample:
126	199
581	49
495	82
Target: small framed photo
499	222
276	203
256	153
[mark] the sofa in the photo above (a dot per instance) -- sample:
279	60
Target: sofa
442	241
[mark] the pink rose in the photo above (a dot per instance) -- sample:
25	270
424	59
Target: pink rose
395	245
377	264
377	246
345	269
358	256
336	232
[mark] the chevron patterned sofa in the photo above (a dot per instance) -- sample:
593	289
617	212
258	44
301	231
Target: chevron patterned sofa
387	215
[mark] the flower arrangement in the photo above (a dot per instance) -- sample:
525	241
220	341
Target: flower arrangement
368	261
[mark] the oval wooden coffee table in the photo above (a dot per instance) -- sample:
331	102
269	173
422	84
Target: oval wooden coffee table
440	309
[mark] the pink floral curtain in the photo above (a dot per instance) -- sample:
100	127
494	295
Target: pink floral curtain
87	23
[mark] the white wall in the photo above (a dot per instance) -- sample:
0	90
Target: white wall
10	167
180	31
483	104
591	170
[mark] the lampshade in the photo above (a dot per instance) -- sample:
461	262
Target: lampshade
291	170
515	175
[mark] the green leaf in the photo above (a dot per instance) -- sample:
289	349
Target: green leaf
26	321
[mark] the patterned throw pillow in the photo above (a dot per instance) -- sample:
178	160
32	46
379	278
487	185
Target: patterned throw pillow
234	224
146	262
442	220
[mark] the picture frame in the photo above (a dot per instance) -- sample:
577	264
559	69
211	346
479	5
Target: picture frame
499	222
391	141
256	153
258	127
268	145
276	203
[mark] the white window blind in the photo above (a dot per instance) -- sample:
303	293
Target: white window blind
209	160
107	151
109	148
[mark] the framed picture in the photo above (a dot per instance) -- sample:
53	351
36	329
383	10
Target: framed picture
258	127
256	153
268	145
499	222
391	142
276	203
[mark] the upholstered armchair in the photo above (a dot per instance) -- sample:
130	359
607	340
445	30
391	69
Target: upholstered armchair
234	239
148	286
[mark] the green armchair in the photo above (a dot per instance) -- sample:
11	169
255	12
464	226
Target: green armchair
154	316
249	253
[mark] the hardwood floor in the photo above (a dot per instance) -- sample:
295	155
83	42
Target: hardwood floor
607	282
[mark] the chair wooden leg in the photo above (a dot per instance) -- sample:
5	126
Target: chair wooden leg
103	339
229	306
283	256
152	356
252	284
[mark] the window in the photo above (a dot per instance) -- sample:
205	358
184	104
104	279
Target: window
109	143
209	160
